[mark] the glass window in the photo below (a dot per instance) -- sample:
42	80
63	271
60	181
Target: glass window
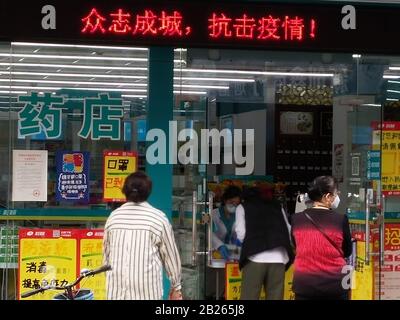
79	98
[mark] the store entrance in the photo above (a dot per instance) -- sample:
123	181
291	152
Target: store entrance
312	115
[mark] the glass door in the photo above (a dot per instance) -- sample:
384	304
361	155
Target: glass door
190	194
364	199
373	177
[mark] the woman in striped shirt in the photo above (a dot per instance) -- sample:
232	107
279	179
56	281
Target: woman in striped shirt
138	242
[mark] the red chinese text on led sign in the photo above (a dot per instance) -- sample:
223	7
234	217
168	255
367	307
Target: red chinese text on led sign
144	23
220	25
269	27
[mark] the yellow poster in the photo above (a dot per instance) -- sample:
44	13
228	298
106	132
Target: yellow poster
363	285
117	166
233	281
47	257
390	155
233	278
288	293
91	257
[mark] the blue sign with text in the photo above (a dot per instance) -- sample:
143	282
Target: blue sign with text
374	165
72	176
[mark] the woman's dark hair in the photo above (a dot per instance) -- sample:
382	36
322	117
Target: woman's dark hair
251	193
137	187
231	192
322	185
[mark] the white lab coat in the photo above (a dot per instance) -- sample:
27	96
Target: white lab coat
220	232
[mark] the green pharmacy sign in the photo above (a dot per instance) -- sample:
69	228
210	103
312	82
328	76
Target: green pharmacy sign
43	113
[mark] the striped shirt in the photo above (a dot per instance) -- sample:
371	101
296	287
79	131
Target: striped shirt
138	242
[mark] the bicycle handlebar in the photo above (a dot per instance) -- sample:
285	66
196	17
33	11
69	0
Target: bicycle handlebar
99	270
33	292
88	274
69	286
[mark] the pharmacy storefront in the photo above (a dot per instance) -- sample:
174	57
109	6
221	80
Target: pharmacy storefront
92	91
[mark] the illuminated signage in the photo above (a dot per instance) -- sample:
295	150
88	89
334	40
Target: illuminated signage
146	23
209	24
264	28
220	25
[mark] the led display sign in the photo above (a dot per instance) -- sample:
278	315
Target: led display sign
343	27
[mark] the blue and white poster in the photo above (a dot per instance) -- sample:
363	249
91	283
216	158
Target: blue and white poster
72	176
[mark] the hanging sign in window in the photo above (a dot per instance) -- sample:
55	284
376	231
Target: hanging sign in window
29	175
117	166
72	176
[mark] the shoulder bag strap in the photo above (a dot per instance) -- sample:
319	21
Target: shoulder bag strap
323	232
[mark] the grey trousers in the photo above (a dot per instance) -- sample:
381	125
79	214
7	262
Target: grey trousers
255	275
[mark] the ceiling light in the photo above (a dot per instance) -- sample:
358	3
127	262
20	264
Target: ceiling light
176	92
356	56
393	91
190	92
391	99
201	86
13	92
83	75
371	105
67	57
91	75
8	97
56	56
57	45
267	73
76	82
110	83
48	65
74	88
214	79
133	96
388	76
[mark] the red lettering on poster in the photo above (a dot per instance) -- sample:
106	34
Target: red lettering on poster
392	238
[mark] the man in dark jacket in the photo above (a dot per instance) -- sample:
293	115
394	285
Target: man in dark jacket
266	251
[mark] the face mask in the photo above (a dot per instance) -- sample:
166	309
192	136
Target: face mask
335	202
231	208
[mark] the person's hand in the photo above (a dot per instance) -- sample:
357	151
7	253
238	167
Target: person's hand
223	250
175	294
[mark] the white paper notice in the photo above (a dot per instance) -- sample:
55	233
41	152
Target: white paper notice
29	177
